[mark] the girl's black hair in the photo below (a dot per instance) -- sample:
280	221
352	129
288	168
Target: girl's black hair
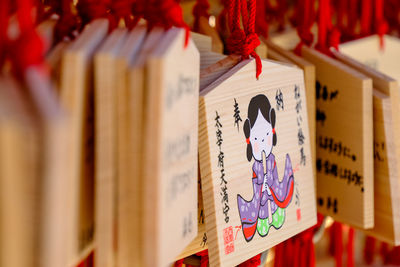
259	102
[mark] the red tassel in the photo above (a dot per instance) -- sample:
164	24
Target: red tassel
350	248
369	249
253	262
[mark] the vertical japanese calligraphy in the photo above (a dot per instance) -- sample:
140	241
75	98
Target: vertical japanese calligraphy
300	134
223	182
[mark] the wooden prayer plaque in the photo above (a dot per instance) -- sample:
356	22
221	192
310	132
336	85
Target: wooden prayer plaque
77	97
309	82
387	151
106	193
255	160
344	141
386	182
368	51
129	157
171	129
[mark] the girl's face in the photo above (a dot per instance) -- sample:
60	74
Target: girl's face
261	137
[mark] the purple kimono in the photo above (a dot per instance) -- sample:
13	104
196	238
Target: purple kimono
279	193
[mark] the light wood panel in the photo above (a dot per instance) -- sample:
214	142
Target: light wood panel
170	138
223	160
76	95
344	141
105	78
390	124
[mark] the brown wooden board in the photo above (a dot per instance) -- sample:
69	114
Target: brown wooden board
369	52
205	28
127	157
386	172
34	142
309	80
237	228
105	78
386	181
170	168
344	141
77	97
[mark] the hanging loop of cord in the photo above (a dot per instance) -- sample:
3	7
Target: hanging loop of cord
328	35
4	19
243	41
166	13
28	49
381	26
68	24
305	25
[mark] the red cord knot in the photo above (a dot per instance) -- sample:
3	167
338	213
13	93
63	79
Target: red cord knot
204	258
166	13
381	29
26	50
334	38
240	44
306	38
66	27
122	9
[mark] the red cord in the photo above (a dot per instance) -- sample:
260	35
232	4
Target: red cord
350	248
67	24
369	249
261	19
179	263
204	258
165	13
28	48
328	36
381	26
366	16
243	41
200	9
4	18
305	25
113	10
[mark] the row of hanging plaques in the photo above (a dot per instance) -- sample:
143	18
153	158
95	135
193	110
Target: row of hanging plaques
171	151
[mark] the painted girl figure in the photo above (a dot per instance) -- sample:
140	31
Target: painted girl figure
271	196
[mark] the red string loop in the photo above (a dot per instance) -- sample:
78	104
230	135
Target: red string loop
68	23
328	35
261	26
381	26
113	10
243	41
28	48
204	258
4	18
305	25
166	13
366	16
